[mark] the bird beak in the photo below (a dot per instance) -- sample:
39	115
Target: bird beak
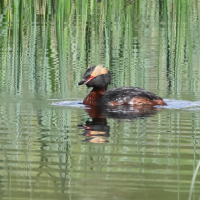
82	82
85	81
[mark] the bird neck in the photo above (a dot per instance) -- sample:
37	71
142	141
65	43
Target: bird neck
95	94
98	89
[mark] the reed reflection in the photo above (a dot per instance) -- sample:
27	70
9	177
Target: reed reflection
97	130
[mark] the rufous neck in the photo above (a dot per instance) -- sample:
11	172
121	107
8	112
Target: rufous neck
94	95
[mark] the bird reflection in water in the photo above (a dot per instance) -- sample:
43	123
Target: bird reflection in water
97	130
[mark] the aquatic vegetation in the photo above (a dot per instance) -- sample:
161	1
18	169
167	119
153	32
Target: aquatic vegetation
146	44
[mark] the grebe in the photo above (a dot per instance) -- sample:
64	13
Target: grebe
99	78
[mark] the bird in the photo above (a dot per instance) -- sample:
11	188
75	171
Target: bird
98	77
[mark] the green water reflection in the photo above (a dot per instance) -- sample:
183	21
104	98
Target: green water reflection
59	152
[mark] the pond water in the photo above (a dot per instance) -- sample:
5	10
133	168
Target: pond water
54	147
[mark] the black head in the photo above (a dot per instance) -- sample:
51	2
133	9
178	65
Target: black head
96	76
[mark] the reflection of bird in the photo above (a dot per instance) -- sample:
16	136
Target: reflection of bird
99	77
101	112
96	131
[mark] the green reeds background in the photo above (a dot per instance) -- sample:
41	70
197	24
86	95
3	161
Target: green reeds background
47	45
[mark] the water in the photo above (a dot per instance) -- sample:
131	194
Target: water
54	147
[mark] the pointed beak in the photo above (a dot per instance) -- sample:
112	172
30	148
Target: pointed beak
85	81
82	82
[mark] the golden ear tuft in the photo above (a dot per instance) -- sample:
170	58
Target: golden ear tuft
99	69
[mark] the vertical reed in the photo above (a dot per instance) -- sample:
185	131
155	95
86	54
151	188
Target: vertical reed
146	44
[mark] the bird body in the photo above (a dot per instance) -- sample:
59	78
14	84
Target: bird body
99	77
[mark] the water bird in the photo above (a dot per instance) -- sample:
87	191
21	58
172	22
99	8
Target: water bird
99	78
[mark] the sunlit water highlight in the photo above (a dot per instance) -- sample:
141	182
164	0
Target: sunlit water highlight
171	104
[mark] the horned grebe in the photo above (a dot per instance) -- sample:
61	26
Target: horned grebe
99	77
